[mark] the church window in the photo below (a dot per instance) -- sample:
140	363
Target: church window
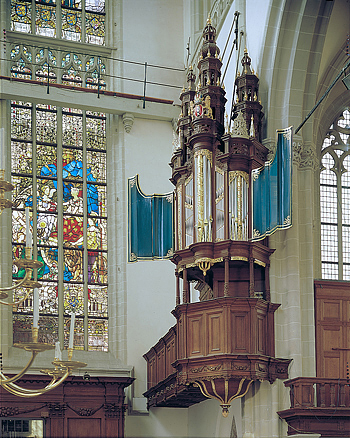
335	200
75	20
59	172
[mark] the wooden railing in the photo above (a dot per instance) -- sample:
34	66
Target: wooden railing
308	392
160	357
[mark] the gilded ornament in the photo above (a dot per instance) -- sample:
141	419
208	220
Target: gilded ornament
238	173
239	258
239	127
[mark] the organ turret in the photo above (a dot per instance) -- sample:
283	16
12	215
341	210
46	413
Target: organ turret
224	340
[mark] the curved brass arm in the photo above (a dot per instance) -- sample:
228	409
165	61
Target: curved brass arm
19	284
6	380
24	392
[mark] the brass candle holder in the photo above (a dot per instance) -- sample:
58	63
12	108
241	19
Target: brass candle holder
62	368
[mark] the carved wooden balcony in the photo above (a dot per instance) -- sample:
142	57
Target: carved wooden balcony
318	405
228	341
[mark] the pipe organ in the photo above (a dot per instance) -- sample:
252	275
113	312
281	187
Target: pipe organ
224	342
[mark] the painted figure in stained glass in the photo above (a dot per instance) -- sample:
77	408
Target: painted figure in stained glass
71	3
47	222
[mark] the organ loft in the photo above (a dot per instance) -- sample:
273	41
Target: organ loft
224	342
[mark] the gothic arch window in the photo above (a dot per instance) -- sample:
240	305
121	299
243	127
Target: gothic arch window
75	20
335	199
59	172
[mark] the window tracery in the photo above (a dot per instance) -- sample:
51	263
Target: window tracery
74	20
335	199
59	172
68	68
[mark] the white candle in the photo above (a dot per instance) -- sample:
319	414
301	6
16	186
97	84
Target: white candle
2	149
36	308
28	233
71	332
58	353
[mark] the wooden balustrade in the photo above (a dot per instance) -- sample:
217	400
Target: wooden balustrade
306	392
226	338
160	357
318	405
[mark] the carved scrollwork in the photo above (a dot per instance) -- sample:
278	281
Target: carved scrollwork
7	411
205	368
57	409
113	410
239	149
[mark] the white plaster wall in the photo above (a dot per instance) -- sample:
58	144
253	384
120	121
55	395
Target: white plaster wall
161	422
153	33
205	420
150	284
252	21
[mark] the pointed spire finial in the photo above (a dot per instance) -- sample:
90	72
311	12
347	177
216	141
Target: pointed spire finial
252	129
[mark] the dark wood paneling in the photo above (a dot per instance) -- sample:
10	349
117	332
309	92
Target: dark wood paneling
84	428
77	408
332	323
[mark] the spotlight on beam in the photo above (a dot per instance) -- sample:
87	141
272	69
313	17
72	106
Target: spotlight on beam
346	81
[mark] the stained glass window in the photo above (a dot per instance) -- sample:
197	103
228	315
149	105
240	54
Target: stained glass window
78	20
335	200
59	171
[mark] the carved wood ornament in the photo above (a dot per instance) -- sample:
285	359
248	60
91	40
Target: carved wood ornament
225	341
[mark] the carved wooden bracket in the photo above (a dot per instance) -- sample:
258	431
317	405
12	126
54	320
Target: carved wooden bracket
224	390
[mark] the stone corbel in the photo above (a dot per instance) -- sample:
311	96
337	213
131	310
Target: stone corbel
297	149
128	121
308	156
271	145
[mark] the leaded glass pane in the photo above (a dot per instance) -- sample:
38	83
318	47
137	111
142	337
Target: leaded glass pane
49	257
19	228
21	122
95	28
74	203
95	5
48	298
25	306
96	163
22	192
346	244
330	271
73	299
97	233
21	15
72	164
97	301
96	198
76	4
22	327
98	334
45	23
73	232
46	128
73	265
71	24
97	267
48	329
329	246
96	132
72	124
22	157
20	70
328	196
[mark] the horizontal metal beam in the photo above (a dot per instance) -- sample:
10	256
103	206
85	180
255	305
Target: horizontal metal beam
37	93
